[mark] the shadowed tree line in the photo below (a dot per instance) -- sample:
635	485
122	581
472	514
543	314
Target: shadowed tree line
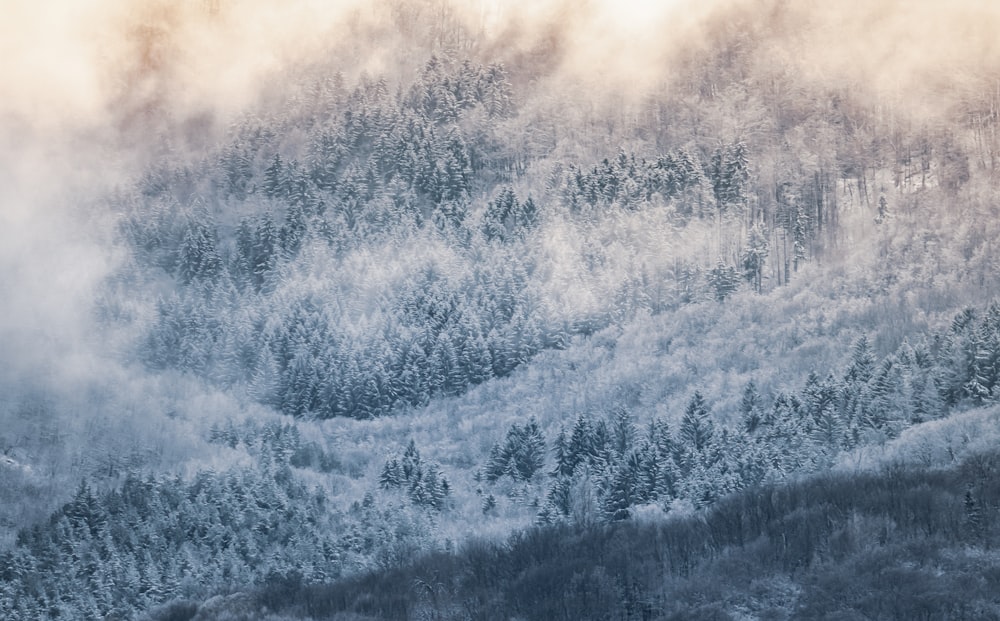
894	544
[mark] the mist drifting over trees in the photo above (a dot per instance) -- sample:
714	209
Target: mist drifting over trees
441	309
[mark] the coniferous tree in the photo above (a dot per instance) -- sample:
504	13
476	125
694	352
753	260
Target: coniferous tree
564	459
973	515
751	417
662	469
827	426
276	181
858	398
391	475
696	430
623	432
520	456
581	443
625	487
559	497
730	173
601	455
755	255
497	464
801	232
198	255
411	461
489	505
530	453
724	280
863	362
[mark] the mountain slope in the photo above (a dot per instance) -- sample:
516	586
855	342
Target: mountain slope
453	273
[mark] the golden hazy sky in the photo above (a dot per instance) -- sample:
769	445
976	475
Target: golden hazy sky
67	59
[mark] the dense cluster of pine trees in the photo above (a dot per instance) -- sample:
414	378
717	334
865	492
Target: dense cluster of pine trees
273	240
113	554
893	544
375	168
606	467
152	540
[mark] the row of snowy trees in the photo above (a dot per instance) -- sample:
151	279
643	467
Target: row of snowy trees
698	186
434	336
279	443
602	468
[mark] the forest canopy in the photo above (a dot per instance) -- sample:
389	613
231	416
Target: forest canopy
305	300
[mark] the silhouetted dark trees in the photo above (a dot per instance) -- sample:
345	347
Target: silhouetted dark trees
896	544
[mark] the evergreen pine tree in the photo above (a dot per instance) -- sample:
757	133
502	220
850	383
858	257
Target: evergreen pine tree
563	456
863	362
750	409
696	428
410	463
823	418
581	443
391	475
623	432
530	453
560	496
275	179
198	255
489	505
724	280
497	464
754	256
973	515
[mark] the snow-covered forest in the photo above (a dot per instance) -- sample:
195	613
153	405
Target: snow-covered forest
429	309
